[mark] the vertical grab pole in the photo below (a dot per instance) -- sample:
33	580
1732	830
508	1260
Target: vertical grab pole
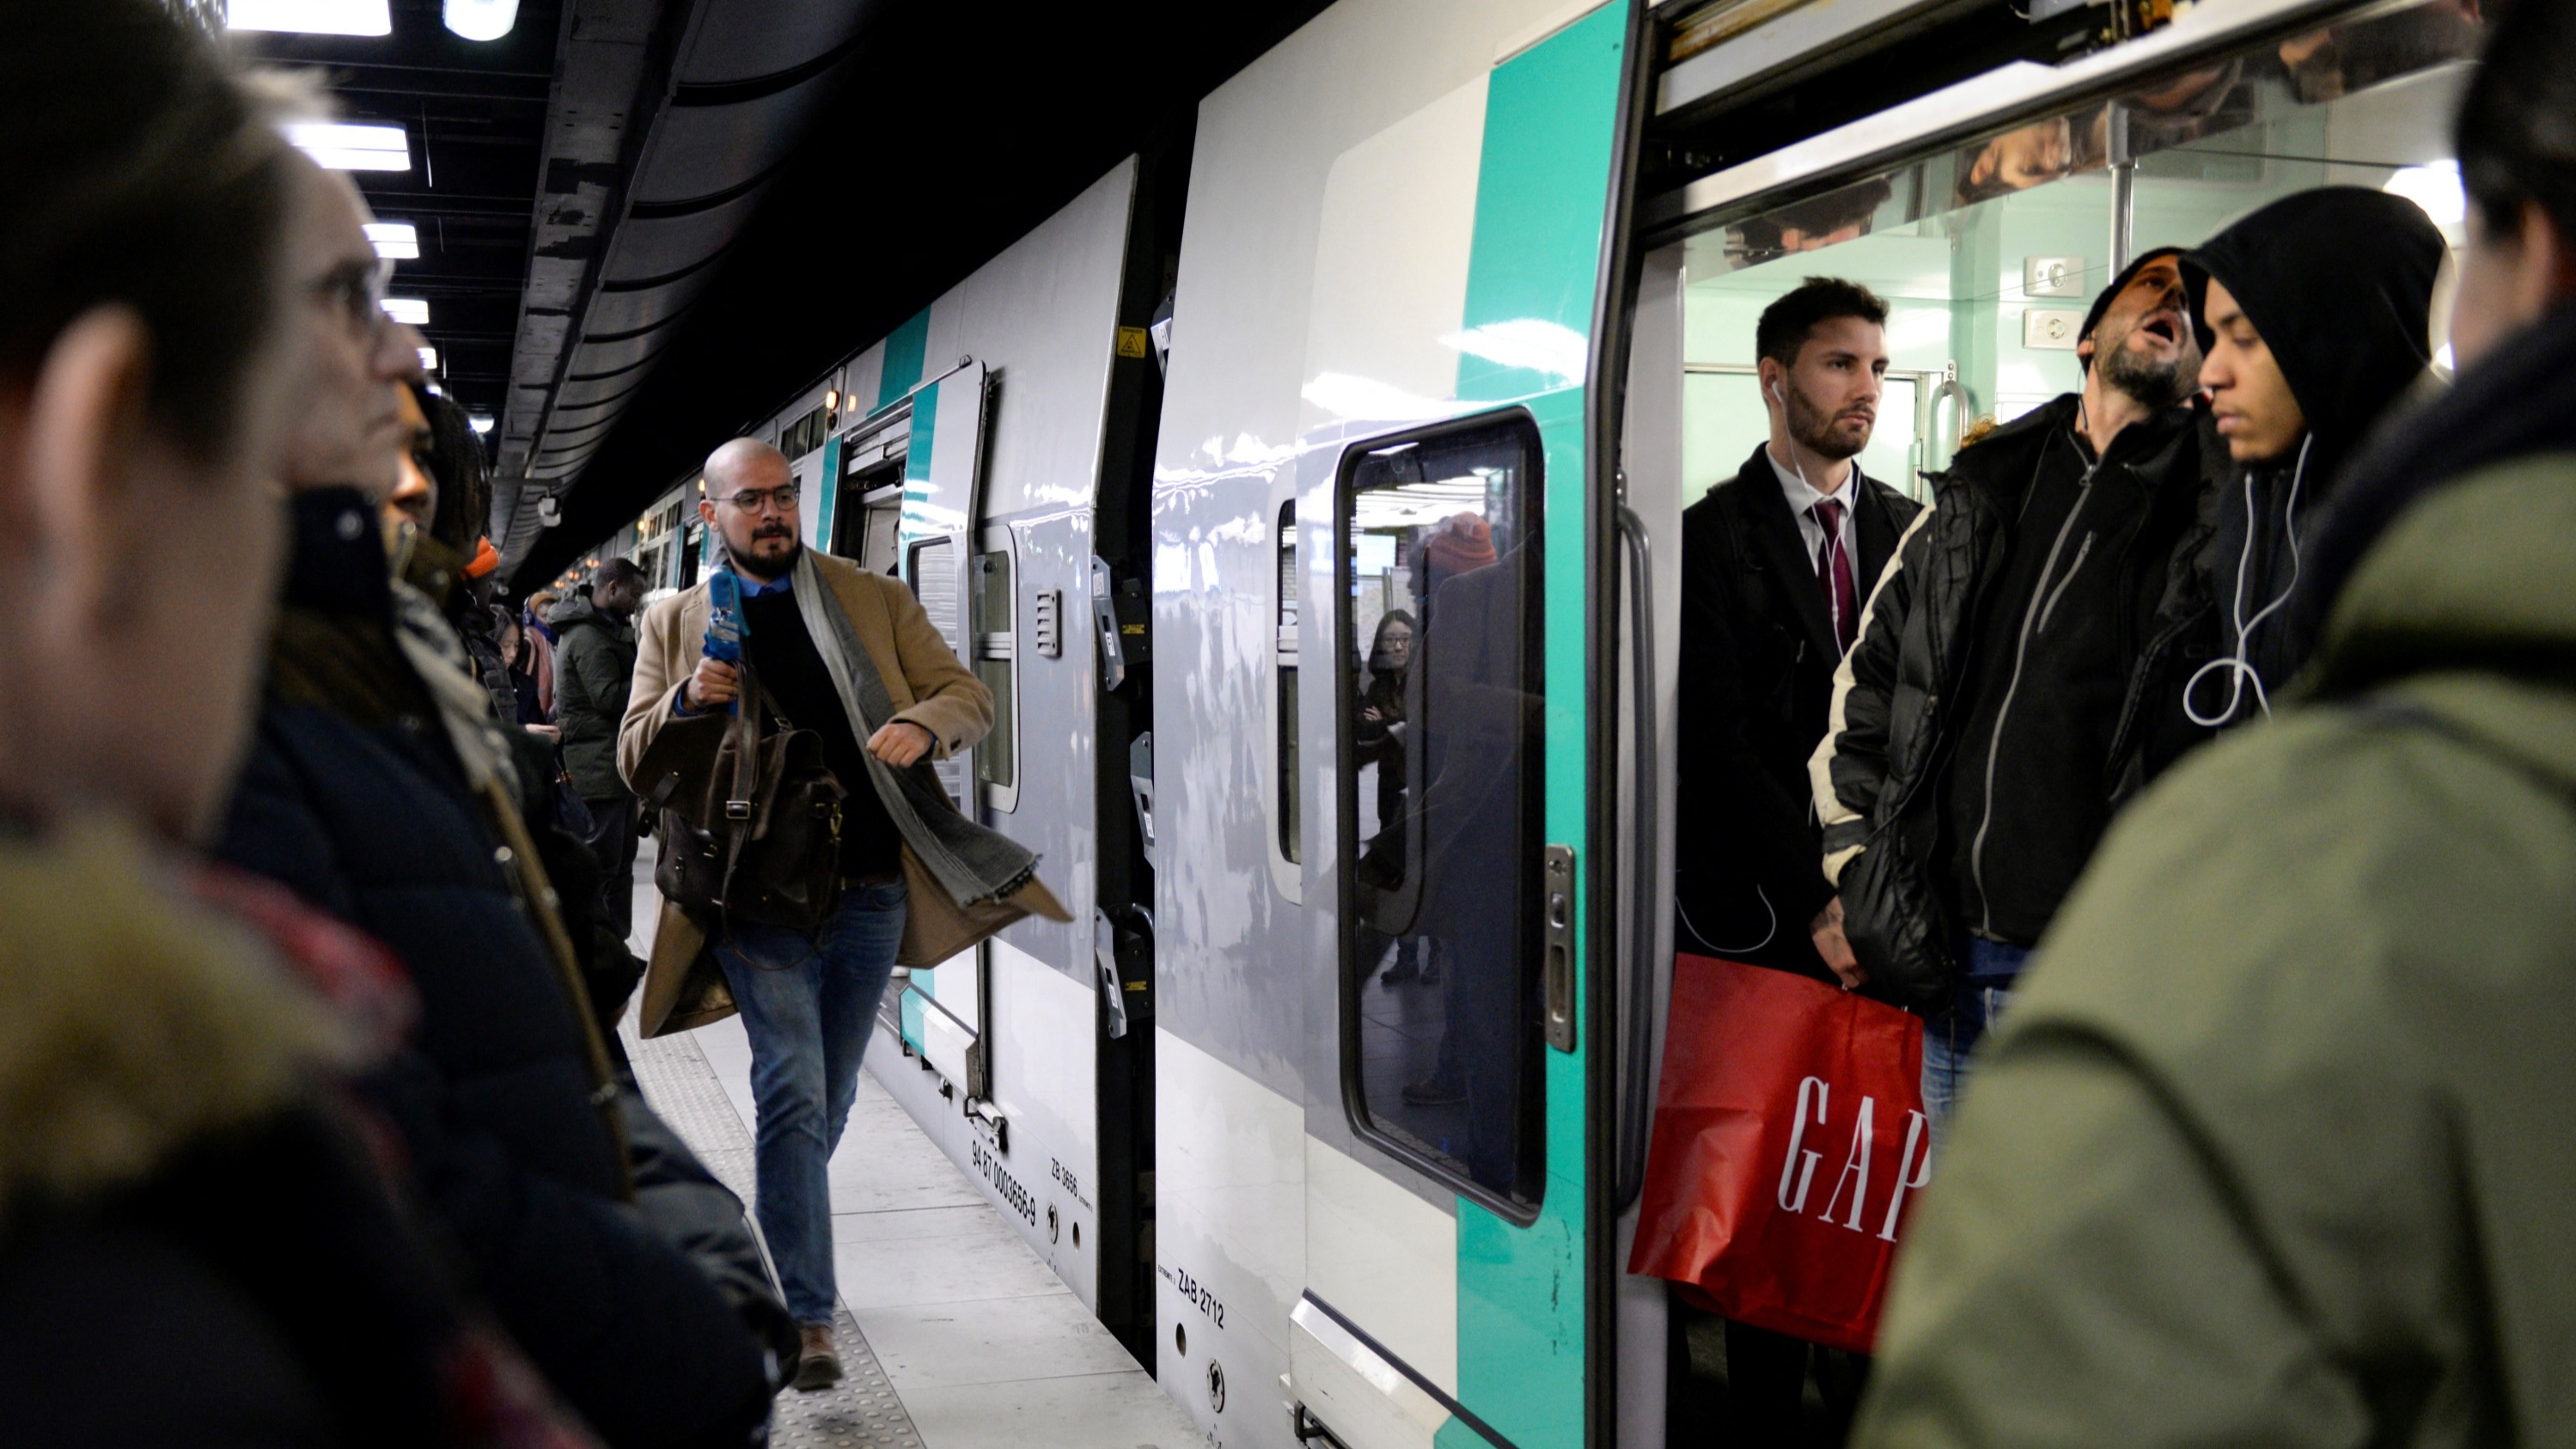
1637	975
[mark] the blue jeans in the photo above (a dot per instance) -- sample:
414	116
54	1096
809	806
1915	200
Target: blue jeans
809	1004
1950	1038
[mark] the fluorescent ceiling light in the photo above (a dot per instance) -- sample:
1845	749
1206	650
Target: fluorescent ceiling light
479	422
344	147
2436	188
482	19
413	311
312	17
396	241
429	359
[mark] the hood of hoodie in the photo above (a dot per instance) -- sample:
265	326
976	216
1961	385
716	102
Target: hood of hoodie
137	1023
2339	281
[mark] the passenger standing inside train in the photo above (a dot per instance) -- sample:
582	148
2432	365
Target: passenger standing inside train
374	792
2315	315
851	656
2273	1148
1776	562
2002	697
594	669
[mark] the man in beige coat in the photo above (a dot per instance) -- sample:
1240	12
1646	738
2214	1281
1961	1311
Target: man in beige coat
809	998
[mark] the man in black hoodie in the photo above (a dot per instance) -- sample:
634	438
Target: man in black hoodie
2313	314
2009	661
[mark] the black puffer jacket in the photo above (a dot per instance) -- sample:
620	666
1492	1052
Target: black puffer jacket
354	800
1898	697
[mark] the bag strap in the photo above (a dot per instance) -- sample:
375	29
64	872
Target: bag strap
744	734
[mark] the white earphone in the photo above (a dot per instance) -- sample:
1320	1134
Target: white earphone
2240	673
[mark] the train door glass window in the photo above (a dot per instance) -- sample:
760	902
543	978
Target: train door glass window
1440	692
870	515
934	572
1284	723
997	665
692	548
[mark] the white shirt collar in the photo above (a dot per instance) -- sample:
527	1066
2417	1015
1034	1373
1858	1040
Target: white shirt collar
1803	498
1803	495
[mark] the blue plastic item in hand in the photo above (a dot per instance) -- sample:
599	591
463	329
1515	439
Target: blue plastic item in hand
726	627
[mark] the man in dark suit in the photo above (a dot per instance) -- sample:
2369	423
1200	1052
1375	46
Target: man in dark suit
1777	563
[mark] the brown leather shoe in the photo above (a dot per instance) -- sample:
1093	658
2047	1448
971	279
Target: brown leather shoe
819	1365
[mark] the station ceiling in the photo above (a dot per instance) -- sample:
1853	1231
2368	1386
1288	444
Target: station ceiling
923	137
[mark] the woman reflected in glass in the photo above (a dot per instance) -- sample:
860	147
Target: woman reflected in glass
1379	740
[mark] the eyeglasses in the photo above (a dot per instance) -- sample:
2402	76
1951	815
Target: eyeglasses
356	290
760	500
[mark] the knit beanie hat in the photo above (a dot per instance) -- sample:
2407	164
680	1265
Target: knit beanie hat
2102	299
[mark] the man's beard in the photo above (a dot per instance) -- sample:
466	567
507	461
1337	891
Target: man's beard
772	566
1816	431
2156	384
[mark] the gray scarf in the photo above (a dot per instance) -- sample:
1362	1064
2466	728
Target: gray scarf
972	863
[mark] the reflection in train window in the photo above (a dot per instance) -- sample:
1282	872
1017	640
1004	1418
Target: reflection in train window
1438	671
1284	715
1988	254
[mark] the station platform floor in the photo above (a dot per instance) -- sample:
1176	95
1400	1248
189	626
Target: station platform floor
953	1334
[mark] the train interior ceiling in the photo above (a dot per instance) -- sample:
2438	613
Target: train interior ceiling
1989	252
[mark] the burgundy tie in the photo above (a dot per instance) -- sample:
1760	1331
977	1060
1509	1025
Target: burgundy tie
1834	571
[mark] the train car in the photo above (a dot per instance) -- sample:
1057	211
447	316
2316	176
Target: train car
1334	650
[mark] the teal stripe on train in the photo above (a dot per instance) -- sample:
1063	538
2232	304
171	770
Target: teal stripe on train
1541	188
904	349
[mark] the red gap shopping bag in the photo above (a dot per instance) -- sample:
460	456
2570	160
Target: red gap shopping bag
1789	1139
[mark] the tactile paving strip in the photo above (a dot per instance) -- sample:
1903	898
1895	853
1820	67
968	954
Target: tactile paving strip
859	1412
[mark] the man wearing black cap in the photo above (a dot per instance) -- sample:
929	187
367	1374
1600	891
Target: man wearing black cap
2012	654
2313	314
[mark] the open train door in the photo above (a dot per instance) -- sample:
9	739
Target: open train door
941	1010
1462	642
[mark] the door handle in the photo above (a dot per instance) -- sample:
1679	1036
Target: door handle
1104	956
1557	892
1104	622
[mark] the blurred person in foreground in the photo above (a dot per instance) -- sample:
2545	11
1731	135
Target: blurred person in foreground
198	1245
381	790
2272	1149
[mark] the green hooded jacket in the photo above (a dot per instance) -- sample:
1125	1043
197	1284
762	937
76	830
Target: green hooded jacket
2273	1145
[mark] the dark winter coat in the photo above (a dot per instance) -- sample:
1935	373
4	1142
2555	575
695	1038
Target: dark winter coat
1757	675
1899	695
354	799
594	669
204	1254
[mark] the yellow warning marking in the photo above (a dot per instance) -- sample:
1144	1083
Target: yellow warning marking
1132	342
